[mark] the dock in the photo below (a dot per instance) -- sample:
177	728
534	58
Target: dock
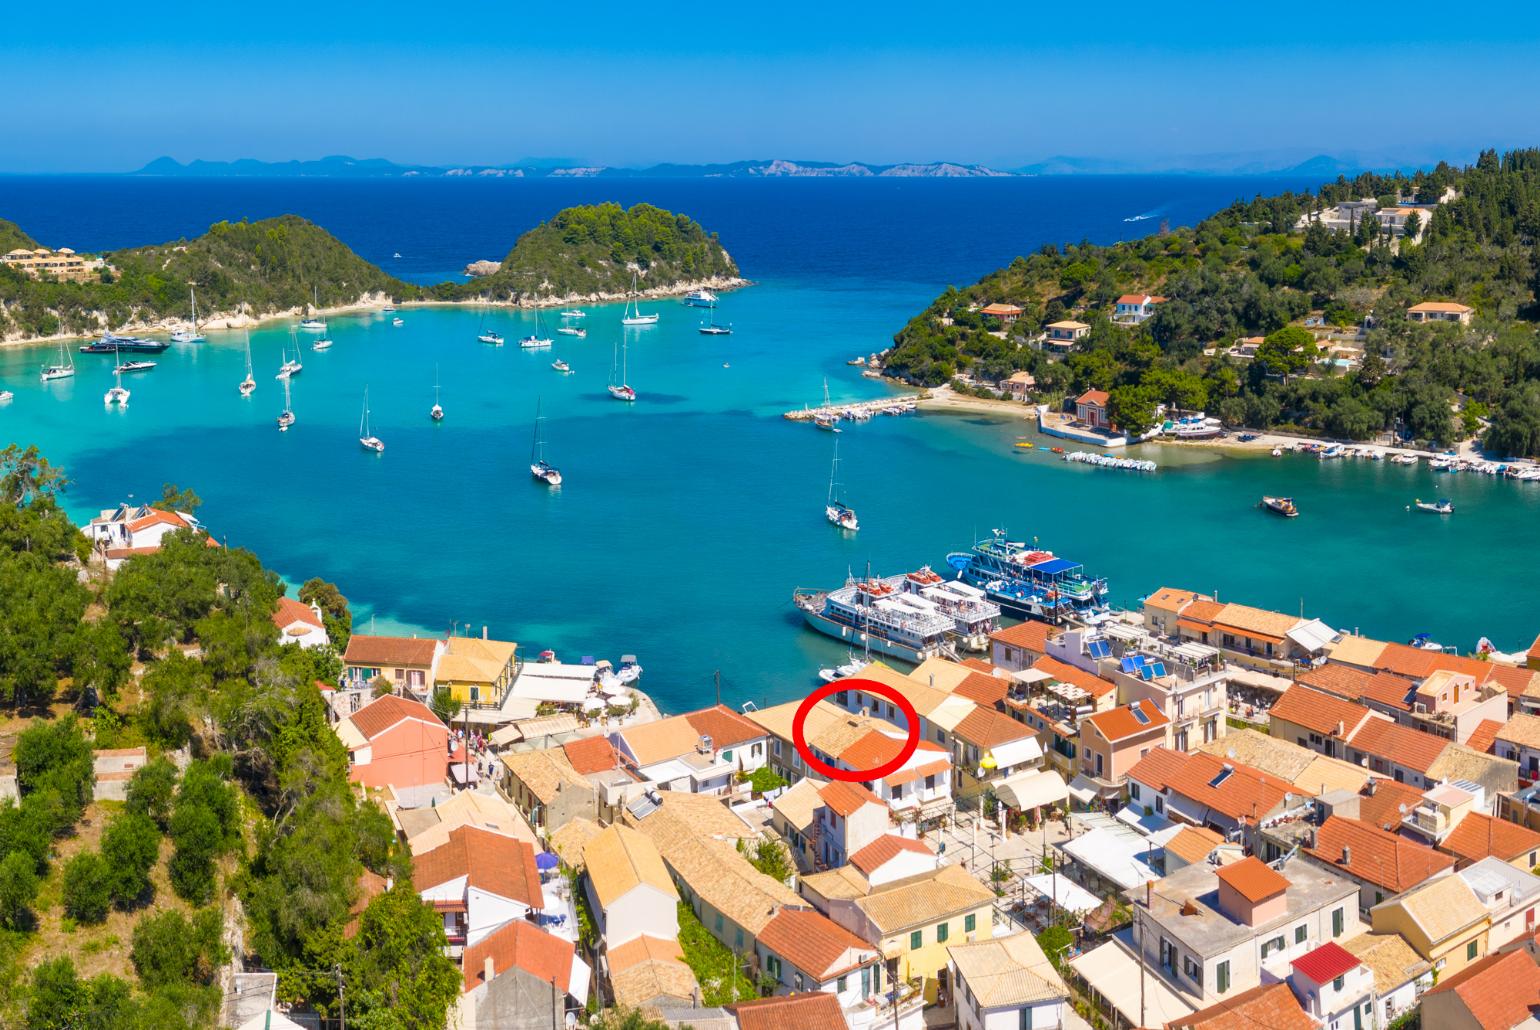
852	411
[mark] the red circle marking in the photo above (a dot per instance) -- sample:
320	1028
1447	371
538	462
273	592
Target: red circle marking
818	765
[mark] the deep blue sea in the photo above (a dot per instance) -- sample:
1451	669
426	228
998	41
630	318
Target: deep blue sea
688	518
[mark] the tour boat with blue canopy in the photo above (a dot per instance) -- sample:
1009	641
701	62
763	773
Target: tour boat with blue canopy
1028	582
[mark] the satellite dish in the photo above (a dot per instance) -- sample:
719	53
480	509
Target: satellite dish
1402	807
1230	753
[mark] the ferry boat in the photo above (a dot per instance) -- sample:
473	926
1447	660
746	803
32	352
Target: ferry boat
191	334
1281	506
1028	582
869	613
111	343
135	366
1442	506
700	299
63	370
974	616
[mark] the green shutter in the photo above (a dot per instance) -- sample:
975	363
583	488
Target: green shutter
916	939
970	922
941	932
1222	976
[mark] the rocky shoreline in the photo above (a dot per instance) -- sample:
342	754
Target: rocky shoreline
220	321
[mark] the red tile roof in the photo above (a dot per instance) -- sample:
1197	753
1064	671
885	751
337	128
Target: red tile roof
1134	298
591	755
983	688
291	611
845	798
493	862
815	1010
1384	859
725	727
1122	722
1399	744
814	944
1383	808
1321	713
1326	963
1253	879
1514	681
871	750
885	848
1075	677
1202	610
1271	1006
389	651
524	945
1097	397
1419	663
1500	990
987	728
156	517
1244	794
1484	736
1478	836
1030	635
1159	768
385	711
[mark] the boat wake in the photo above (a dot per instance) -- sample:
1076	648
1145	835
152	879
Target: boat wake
1146	216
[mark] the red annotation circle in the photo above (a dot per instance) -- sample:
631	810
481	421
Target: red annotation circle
823	768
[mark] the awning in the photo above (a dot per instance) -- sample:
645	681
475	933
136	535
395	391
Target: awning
1145	822
1116	853
548	681
1066	893
505	736
1312	636
1016	752
1082	789
593	704
1195	653
1113	971
1032	789
464	774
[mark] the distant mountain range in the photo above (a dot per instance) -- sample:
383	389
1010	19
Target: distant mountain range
1323	166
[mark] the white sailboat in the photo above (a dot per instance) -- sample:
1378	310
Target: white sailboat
539	468
290	366
536	339
314	324
366	437
619	388
63	370
190	335
118	394
436	413
633	314
486	335
249	383
838	513
286	416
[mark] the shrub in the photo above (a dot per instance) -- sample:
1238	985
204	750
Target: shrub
18	889
130	848
87	887
169	949
152	789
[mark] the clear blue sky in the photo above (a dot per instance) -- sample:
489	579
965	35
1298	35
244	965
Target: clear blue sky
1000	83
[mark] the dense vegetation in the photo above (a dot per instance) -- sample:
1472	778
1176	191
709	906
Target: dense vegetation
595	249
257	806
277	264
1247	271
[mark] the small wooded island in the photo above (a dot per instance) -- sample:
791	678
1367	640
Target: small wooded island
281	265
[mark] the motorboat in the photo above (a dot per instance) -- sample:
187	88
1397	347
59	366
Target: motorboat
839	672
1281	506
574	313
1442	506
700	299
324	343
135	366
570	330
561	366
112	343
397	322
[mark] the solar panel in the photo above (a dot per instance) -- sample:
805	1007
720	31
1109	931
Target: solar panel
1224	774
1129	665
1146	672
1139	714
1099	649
1158	669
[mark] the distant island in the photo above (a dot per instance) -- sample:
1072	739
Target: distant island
1400	304
247	271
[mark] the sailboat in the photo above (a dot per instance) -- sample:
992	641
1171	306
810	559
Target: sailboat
290	366
618	387
63	370
249	383
117	395
838	513
710	326
486	335
286	416
633	315
538	466
366	437
190	335
436	413
826	417
535	339
313	324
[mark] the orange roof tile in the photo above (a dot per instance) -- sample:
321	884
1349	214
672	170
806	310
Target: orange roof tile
815	944
1172	599
525	946
1253	879
815	1010
1384	859
1484	736
291	611
986	728
493	862
591	755
883	849
983	688
1399	744
725	727
1031	635
1419	663
1321	713
1193	844
1478	836
643	949
1327	962
1098	397
1384	807
1514	680
844	798
389	651
1075	677
1500	990
385	711
1122	722
1202	610
1159	768
1271	1005
1246	793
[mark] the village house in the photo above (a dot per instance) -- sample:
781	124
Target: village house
1018	386
1270	1005
125	531
1519	741
428	826
1254	637
1162	608
1400	974
545	787
1005	314
1135	308
1510	896
1091	408
828	730
1334	987
1203	790
1006	983
1381	863
650	972
509	976
1016	648
476	671
813	1010
63	264
701	752
1445	702
1188	682
1113	742
408	664
1064	334
1440	311
1479	836
1501	992
629	888
395	742
847	818
478	881
802	950
300	623
1443	920
1321	722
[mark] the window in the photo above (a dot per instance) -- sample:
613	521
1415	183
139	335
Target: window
1299	934
1160	803
930	782
1222	976
1133	790
1167	955
1470	950
1192	970
843	699
719	922
1336	984
942	930
739	938
839	985
1336	922
1098	763
727	756
894	793
969	923
1272	945
475	694
796	981
777	747
916	939
1026	1018
757	751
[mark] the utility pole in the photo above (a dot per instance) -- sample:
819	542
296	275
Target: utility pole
1140	920
342	1004
553	1004
717	678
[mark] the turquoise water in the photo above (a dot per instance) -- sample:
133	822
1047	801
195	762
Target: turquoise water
687	519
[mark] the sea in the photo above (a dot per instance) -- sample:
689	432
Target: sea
687	519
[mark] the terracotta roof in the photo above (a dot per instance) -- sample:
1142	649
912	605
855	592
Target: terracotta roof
1159	768
643	949
984	689
1384	859
1321	713
1172	599
998	308
924	899
1478	836
291	611
871	750
1253	879
1098	397
1534	650
1500	990
1193	844
647	969
1442	908
1256	623
1272	1006
1352	683
815	1010
490	861
1523	729
661	740
1402	745
1327	962
1441	307
1389	957
1007	972
384	712
1242	794
845	798
1031	635
987	728
156	517
1202	610
874	855
1134	298
619	860
1419	663
814	944
1383	807
389	651
1517	682
591	755
544	772
1122	722
1075	677
725	727
568	839
522	944
1484	736
717	873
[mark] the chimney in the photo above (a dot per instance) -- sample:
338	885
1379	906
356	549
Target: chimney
1370	786
1310	838
483	633
1340	728
487	970
1347	855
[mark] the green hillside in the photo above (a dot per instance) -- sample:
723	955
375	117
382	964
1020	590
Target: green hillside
1247	271
12	237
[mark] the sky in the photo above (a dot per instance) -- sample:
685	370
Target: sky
1003	84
